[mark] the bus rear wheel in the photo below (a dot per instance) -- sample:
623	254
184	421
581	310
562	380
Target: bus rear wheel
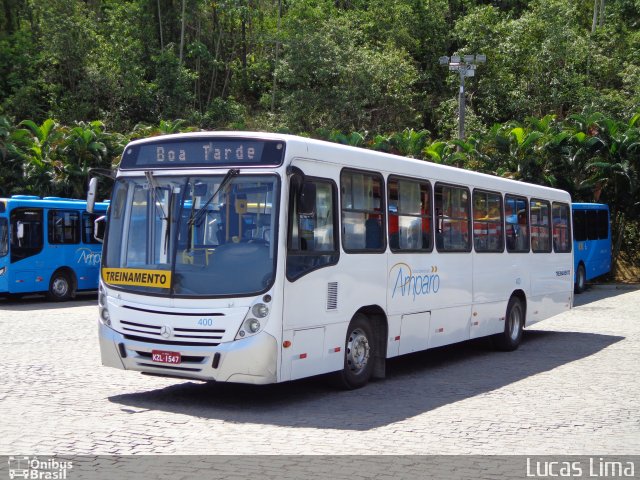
61	287
581	279
359	353
510	338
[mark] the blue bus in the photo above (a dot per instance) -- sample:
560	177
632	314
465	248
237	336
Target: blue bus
591	242
48	245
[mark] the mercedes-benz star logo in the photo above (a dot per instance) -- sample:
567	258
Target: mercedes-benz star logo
165	331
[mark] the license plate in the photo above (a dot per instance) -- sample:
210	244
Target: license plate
161	356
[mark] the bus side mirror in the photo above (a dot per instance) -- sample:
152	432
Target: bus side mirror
91	194
307	199
99	227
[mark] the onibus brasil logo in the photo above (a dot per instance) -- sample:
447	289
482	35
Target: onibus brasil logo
413	283
33	468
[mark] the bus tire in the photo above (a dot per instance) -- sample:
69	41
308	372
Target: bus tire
581	279
510	338
359	354
61	287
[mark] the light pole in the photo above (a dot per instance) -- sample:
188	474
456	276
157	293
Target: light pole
466	67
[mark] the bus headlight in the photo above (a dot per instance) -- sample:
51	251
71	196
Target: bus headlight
253	325
102	297
249	327
254	321
105	316
260	310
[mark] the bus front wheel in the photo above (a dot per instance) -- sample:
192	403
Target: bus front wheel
60	287
359	353
510	338
581	279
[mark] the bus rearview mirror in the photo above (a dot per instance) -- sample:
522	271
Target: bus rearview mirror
99	226
91	194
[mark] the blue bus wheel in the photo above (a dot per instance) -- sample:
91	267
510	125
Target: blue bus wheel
60	287
581	279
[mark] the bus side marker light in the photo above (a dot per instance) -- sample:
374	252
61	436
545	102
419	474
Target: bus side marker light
334	350
303	355
397	338
476	323
39	279
286	344
440	330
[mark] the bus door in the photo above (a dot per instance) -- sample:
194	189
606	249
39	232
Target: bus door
27	239
310	309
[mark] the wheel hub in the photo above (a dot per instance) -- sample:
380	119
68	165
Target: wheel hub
358	350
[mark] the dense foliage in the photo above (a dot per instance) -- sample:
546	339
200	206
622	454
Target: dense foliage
557	102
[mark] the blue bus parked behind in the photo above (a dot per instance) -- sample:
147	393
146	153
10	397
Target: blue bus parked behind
47	245
591	242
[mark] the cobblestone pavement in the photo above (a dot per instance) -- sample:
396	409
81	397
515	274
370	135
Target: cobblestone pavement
571	388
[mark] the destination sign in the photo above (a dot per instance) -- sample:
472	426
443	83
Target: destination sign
203	152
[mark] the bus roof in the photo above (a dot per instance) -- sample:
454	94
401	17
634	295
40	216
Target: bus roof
16	201
361	158
589	206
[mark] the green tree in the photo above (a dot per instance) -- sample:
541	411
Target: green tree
329	78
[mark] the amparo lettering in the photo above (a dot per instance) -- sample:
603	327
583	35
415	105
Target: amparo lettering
408	284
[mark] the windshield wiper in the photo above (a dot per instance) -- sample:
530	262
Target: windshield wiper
153	184
234	172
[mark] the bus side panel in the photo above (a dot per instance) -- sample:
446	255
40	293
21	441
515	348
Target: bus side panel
86	262
428	282
600	262
491	291
550	285
28	275
314	330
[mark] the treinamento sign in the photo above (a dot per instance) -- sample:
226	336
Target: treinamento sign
138	277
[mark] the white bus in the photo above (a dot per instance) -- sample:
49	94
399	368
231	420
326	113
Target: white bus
261	258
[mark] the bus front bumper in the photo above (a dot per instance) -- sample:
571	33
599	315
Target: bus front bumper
250	360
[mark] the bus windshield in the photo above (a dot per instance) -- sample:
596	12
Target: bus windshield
209	241
4	237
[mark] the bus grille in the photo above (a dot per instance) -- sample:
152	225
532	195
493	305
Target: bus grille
141	332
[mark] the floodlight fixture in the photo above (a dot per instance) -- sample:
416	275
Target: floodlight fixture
466	67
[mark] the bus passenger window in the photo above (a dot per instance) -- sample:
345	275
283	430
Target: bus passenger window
517	223
453	215
409	215
561	228
540	226
63	227
487	222
362	213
